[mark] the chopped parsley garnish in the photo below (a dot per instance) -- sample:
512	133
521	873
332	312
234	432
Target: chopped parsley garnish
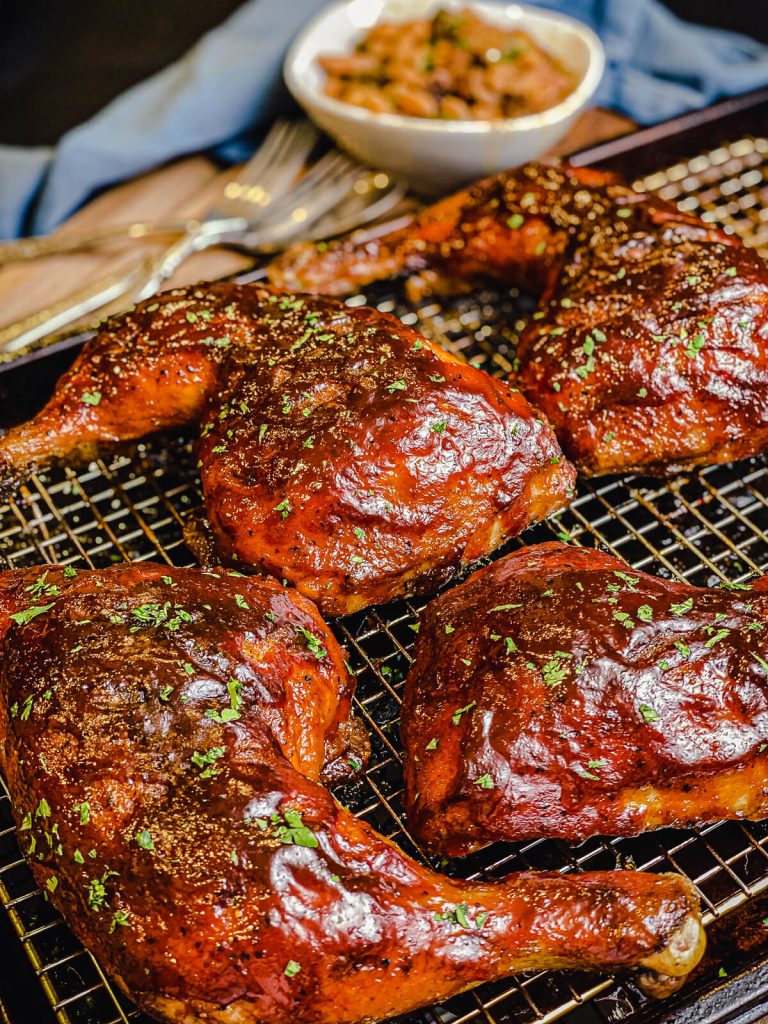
156	615
232	713
432	745
90	397
721	634
97	892
23	617
144	839
241	602
291	969
695	345
207	761
485	782
456	716
41	587
294	832
284	508
439	427
648	713
555	670
515	221
397	385
313	643
460	915
682	609
645	613
120	917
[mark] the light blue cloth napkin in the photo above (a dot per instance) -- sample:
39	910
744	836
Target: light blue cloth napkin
228	84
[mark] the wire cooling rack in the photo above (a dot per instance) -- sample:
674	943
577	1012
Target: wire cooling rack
704	528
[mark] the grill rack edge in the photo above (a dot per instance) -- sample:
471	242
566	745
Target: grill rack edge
706	528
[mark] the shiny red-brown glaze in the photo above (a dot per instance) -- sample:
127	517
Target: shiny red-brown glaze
161	730
598	699
649	350
339	449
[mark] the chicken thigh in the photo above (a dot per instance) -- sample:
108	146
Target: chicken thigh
559	693
649	350
339	450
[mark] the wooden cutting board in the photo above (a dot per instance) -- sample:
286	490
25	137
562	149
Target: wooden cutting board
186	188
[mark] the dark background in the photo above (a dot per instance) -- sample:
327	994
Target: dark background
62	60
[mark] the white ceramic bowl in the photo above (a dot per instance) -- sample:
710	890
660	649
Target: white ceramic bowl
436	155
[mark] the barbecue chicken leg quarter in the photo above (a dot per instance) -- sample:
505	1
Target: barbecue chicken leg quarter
165	733
649	350
339	449
557	692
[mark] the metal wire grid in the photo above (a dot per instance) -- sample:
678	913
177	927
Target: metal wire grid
705	528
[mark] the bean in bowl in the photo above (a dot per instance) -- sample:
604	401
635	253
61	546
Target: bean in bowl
454	65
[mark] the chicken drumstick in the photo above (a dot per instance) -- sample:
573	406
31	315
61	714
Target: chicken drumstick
164	733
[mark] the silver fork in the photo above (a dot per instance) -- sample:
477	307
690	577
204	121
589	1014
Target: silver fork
321	188
267	176
335	196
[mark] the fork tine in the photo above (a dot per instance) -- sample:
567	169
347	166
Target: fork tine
323	189
330	194
281	175
296	137
269	173
265	153
324	184
329	167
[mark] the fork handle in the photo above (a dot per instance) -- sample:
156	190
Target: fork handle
200	236
53	318
51	245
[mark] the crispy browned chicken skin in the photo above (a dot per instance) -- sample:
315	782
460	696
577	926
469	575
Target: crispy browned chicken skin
649	350
163	733
557	692
339	450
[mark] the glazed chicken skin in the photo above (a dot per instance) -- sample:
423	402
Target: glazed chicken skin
339	449
649	350
559	693
164	737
